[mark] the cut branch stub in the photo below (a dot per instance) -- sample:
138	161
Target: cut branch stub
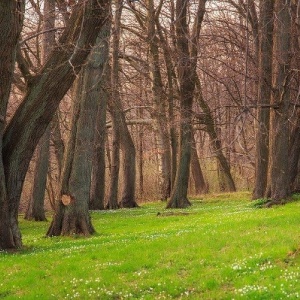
67	200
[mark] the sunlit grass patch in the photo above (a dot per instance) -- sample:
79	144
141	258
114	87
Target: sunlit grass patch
222	247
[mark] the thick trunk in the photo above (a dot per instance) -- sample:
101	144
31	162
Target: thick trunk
97	191
112	201
75	214
43	97
264	98
98	172
279	173
11	22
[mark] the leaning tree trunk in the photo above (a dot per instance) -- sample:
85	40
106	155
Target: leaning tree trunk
279	172
264	97
187	62
35	210
227	183
43	97
11	22
122	137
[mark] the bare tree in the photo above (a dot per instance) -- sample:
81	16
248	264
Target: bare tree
187	62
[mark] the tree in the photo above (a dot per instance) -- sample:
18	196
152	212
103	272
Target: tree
279	169
187	62
72	217
264	97
159	100
35	210
121	135
10	28
41	101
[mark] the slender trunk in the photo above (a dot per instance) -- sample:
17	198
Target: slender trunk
160	121
187	63
121	133
199	181
74	215
294	155
43	97
35	210
264	97
226	181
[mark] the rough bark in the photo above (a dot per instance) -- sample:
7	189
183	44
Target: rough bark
75	217
187	62
199	181
98	172
35	210
226	183
279	172
11	22
97	191
44	95
264	97
159	114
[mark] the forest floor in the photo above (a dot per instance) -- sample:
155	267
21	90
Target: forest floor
223	247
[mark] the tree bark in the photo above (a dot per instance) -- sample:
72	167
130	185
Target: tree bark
75	217
11	23
279	173
43	97
160	122
187	62
199	181
35	210
264	97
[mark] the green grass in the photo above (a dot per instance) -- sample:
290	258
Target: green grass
223	247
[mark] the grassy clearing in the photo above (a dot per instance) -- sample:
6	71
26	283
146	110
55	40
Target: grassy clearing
223	247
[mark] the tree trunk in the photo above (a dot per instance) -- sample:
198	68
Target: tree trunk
159	115
112	202
122	135
279	173
97	192
226	181
43	97
35	210
264	97
98	171
199	181
11	22
187	62
294	156
74	215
